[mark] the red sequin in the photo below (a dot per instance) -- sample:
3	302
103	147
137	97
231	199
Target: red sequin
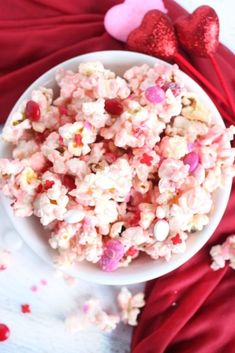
176	239
113	106
146	159
4	332
25	308
32	111
78	139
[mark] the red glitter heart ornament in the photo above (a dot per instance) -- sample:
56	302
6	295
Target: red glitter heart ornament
155	36
198	33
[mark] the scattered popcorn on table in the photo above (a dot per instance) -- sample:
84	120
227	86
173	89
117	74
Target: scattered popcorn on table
114	167
222	253
130	306
93	316
5	259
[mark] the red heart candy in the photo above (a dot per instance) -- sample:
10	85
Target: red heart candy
199	32
155	36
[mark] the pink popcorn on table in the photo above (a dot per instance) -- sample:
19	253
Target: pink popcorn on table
93	316
130	306
222	253
5	259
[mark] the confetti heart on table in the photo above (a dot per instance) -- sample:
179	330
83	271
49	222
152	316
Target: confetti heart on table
155	36
199	32
121	19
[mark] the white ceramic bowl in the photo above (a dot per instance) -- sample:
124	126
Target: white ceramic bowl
143	268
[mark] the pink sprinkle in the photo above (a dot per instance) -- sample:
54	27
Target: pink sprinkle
44	282
34	288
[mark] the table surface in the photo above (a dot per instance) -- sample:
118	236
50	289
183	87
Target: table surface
43	331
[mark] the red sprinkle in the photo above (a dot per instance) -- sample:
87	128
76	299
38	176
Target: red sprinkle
176	239
4	332
32	111
146	159
49	184
78	139
25	308
113	106
69	182
132	251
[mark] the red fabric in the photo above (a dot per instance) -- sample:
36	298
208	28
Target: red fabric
201	320
38	34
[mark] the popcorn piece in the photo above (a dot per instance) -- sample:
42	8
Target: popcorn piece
222	253
194	109
99	318
130	306
5	259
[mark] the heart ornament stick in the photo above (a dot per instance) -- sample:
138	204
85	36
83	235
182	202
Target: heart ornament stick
198	34
156	36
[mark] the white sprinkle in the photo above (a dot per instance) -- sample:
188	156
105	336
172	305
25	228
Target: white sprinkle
73	216
161	230
11	240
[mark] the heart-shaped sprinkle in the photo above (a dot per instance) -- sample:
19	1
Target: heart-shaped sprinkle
198	33
155	36
121	19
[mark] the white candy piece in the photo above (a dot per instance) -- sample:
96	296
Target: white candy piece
73	216
161	230
11	240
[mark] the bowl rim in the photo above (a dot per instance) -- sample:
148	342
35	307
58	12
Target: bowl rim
106	278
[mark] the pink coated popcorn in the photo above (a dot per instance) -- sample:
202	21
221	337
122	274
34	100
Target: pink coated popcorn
130	306
116	166
93	316
5	259
222	253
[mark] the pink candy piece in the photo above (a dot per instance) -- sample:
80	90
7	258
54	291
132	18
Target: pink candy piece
34	288
192	159
121	19
113	252
85	308
155	94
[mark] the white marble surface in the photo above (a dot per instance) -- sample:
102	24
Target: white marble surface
43	330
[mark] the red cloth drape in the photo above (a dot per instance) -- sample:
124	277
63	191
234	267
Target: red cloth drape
38	34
